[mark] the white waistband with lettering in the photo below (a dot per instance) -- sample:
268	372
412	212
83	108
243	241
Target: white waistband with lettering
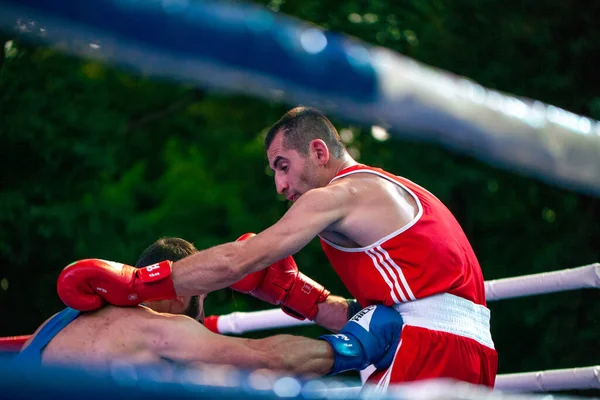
449	313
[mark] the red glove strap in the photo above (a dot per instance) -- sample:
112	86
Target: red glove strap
304	298
155	282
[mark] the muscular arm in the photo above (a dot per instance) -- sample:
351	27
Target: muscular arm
186	342
222	265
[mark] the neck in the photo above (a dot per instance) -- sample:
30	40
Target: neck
341	164
346	162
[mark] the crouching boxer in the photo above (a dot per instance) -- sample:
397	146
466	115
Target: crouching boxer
141	335
88	284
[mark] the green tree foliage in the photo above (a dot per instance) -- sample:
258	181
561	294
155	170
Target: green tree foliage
97	162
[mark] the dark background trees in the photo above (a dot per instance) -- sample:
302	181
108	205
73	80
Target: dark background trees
97	162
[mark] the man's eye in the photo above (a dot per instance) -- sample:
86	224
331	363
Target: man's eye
284	168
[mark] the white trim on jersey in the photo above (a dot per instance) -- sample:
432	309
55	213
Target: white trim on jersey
399	283
449	313
391	235
387	280
385	277
399	270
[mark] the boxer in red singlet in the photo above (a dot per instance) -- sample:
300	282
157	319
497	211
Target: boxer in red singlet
391	242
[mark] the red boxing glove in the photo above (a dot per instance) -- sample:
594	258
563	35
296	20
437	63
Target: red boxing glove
88	284
282	284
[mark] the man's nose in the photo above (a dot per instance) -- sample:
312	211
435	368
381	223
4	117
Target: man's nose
280	184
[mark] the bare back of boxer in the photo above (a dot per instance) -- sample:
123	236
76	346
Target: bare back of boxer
142	337
104	336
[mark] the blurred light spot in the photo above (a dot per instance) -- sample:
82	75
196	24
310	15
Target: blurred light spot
370	18
221	375
354	152
492	186
536	117
564	118
347	135
355	18
277	93
275	5
314	389
287	387
94	46
379	133
394	33
10	50
358	55
475	92
549	215
411	37
172	6
260	380
4	284
516	108
313	40
123	373
585	125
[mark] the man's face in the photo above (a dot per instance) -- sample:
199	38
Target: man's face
192	306
295	173
195	308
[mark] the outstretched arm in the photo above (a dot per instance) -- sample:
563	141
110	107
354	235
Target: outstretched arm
87	284
223	265
371	336
186	342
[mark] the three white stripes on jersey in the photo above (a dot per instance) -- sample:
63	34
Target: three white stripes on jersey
392	274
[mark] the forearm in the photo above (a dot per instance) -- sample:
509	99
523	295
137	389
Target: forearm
333	313
297	354
212	269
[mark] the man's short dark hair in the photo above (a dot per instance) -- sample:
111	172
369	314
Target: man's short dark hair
302	125
167	248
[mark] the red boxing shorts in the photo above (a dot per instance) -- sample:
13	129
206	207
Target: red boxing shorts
444	336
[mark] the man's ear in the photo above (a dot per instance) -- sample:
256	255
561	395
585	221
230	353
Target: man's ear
319	150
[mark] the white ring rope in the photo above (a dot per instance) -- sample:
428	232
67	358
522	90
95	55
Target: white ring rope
585	277
545	381
540	381
526	382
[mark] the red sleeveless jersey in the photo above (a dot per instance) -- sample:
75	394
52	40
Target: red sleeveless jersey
430	255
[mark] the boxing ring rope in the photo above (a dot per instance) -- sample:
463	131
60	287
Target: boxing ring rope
540	381
585	277
12	343
230	47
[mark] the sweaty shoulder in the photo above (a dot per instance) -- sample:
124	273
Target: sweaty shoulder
377	207
335	194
